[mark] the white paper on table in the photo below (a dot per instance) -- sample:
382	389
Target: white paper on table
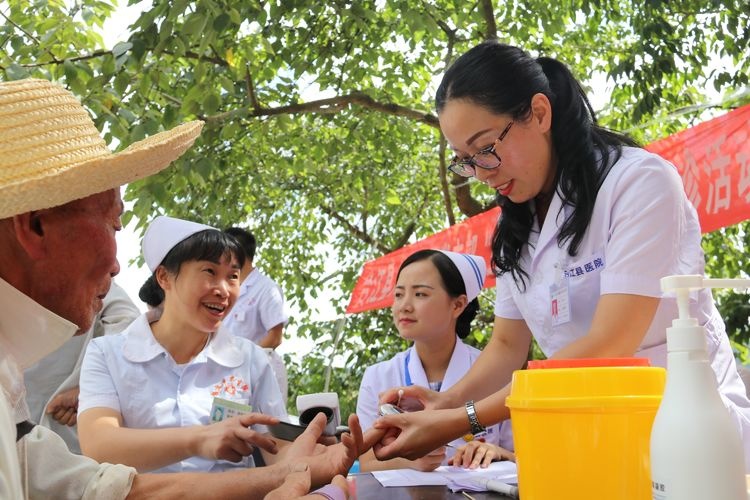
446	475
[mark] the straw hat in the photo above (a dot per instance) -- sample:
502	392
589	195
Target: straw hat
51	153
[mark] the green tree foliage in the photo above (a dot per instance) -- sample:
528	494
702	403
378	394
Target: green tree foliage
320	133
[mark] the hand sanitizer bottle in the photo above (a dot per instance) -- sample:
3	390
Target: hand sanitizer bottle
696	450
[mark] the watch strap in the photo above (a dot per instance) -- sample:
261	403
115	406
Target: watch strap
471	412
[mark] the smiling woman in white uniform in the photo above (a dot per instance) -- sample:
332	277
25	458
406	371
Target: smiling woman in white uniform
589	225
434	303
147	393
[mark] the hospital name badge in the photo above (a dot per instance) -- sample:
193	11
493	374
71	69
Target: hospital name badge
222	409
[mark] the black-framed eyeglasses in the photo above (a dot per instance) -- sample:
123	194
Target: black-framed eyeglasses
485	158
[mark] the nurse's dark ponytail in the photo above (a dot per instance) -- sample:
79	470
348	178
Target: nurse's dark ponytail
453	283
463	323
151	293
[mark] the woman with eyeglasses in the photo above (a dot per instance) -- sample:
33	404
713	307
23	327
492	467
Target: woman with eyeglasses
590	223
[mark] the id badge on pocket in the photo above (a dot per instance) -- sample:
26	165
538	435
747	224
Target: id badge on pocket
559	303
222	409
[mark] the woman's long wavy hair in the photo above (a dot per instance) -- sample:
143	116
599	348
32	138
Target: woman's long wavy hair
503	79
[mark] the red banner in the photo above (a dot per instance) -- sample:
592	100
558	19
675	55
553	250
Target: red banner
374	289
713	159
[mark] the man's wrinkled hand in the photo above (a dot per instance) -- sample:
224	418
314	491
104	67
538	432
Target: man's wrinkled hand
64	407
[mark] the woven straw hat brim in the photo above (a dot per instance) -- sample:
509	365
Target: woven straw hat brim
79	180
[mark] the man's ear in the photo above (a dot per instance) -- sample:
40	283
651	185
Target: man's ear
29	231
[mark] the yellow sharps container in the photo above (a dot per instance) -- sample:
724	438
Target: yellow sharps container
581	428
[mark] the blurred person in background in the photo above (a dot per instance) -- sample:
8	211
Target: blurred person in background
52	383
260	312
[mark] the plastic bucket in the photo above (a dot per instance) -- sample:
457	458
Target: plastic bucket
583	432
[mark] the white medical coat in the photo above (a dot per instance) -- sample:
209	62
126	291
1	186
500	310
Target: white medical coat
643	228
134	375
259	307
392	373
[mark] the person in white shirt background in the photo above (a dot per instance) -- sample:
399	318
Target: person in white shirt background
434	303
147	394
52	383
260	313
590	223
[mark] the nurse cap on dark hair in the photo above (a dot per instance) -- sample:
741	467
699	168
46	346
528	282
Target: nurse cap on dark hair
163	234
473	270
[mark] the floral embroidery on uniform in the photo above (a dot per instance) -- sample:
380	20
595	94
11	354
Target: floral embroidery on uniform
230	386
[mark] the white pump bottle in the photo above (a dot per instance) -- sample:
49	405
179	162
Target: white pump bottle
696	449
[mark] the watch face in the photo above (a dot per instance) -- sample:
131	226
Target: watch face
471	412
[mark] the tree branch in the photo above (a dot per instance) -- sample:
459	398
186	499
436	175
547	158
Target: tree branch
466	203
354	230
251	90
19	28
412	226
442	146
488	13
170	98
193	55
93	55
99	53
327	106
38	42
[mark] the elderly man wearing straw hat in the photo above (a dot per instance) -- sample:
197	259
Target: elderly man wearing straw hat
60	208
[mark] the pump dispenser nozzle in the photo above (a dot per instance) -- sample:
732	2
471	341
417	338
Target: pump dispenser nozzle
681	286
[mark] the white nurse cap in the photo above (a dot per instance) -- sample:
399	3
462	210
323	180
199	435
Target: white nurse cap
163	234
473	269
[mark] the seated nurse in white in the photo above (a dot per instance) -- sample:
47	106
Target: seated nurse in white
146	394
434	304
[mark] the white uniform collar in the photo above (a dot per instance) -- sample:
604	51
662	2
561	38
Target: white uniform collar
251	278
141	346
457	367
29	330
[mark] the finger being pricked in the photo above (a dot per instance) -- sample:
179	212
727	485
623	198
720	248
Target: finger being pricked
408	398
353	440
